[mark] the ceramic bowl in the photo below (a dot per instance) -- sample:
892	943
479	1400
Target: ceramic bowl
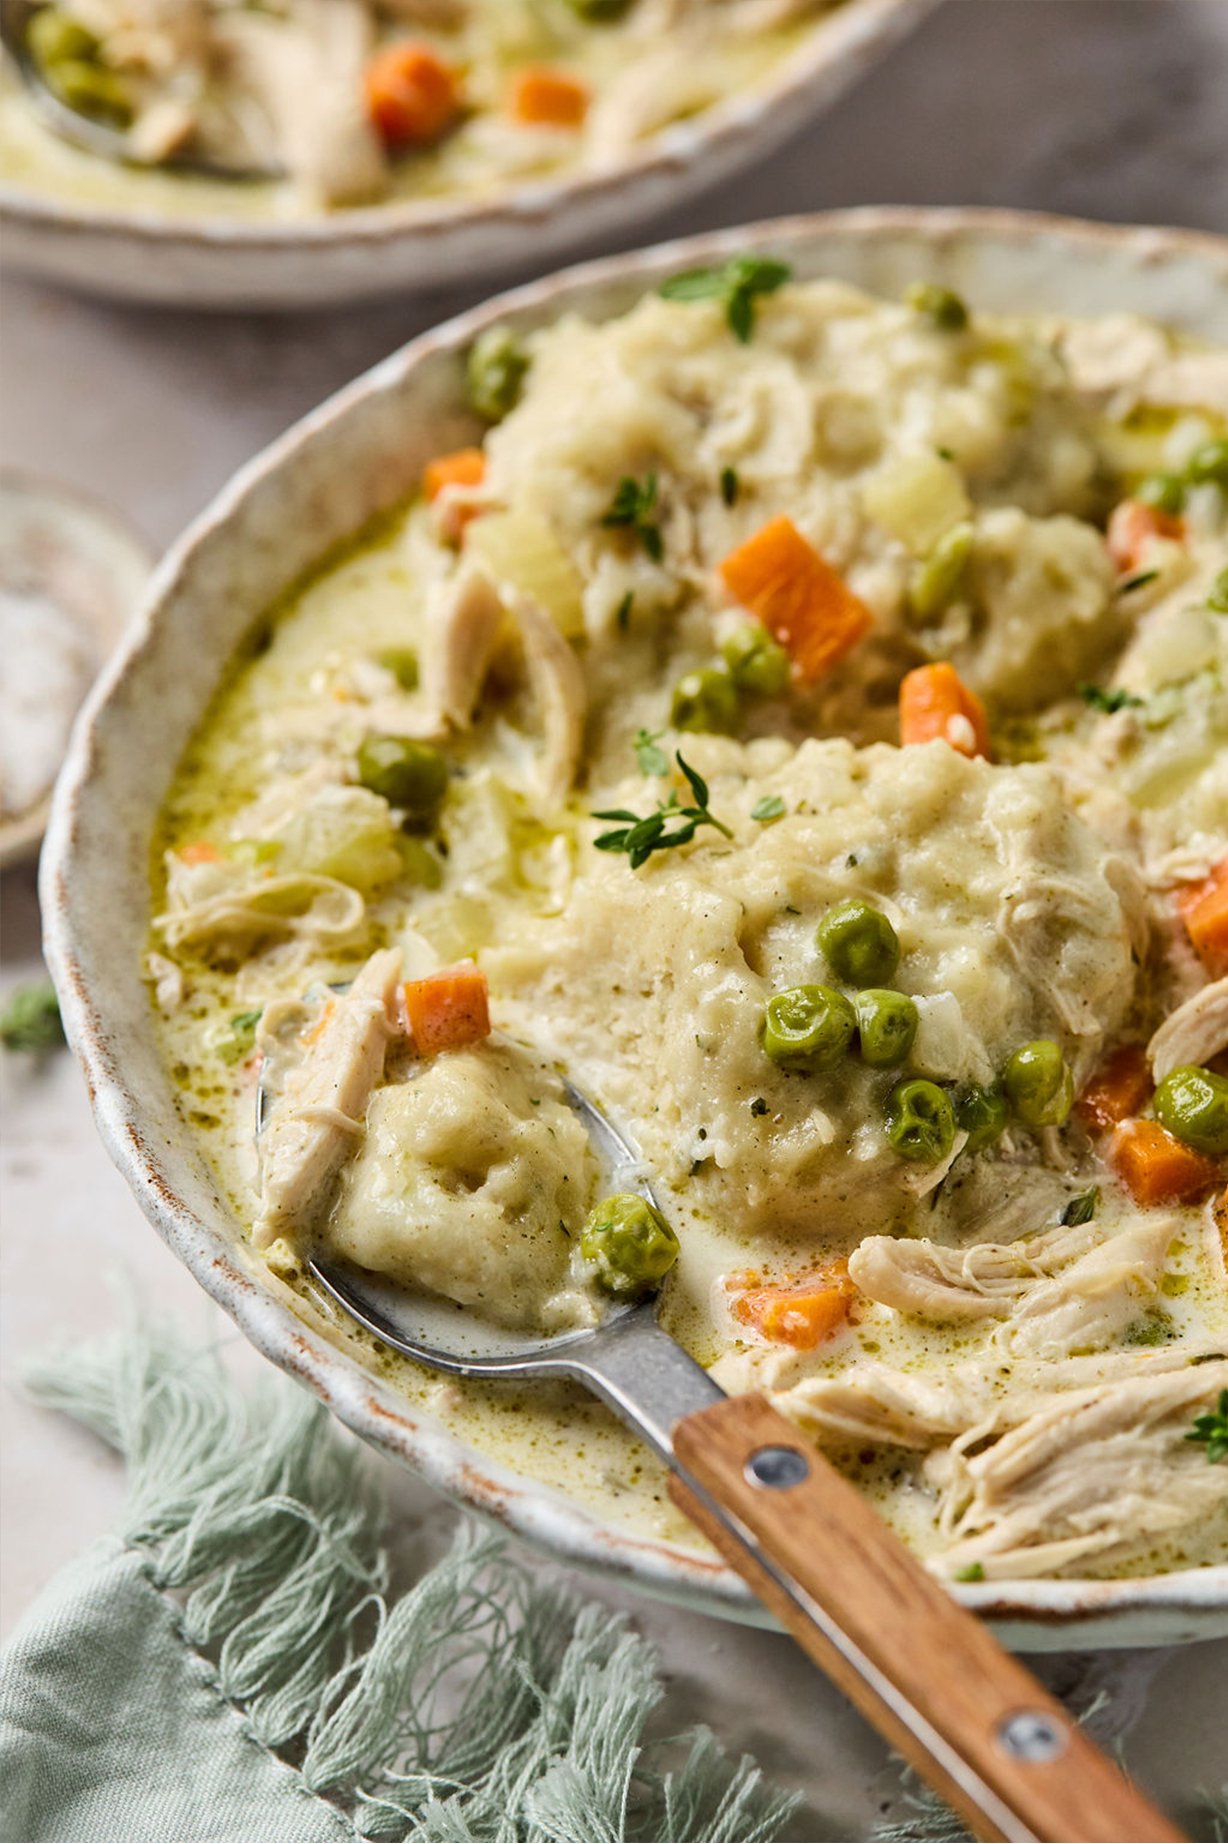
410	247
360	452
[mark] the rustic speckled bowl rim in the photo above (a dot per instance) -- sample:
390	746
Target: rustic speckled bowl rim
1035	1615
569	209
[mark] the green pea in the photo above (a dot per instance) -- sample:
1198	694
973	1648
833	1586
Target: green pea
1210	462
705	700
756	664
90	89
936	581
53	36
920	1121
629	1243
1166	492
1193	1104
402	663
1038	1084
982	1113
1218	597
941	305
808	1027
495	373
860	944
886	1027
407	773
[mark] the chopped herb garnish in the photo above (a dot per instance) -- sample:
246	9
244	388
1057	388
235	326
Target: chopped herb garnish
651	760
769	808
941	306
971	1571
735	284
730	485
1212	1430
1083	1208
622	614
642	835
31	1019
1136	581
1108	701
758	1106
945	454
1153	1328
631	506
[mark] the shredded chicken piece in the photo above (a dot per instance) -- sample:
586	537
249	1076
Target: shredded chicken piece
318	1115
558	687
1093	1472
1195	1032
307	71
985	1281
1092	1301
463	619
320	908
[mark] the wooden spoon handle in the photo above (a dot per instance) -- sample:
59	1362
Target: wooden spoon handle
931	1678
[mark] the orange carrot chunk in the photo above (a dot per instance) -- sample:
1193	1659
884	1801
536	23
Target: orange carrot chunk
1156	1167
935	703
800	599
200	852
1119	1088
1133	526
802	1312
542	97
465	468
448	1010
1204	910
411	94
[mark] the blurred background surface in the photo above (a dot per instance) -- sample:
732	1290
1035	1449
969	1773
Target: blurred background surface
1110	109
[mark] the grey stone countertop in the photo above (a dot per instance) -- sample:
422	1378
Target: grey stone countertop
1106	108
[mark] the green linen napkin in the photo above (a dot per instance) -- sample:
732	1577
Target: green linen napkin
234	1665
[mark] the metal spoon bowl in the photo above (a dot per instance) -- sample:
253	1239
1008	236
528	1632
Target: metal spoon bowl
95	137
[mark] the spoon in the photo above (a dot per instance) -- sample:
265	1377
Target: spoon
924	1670
96	137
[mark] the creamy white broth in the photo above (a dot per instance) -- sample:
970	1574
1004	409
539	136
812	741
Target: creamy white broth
1032	896
283	85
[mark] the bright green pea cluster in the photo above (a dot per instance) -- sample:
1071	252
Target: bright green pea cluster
859	943
629	1243
1167	492
1193	1104
1038	1084
408	774
751	666
67	55
495	373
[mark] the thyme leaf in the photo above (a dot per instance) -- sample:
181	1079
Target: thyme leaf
640	835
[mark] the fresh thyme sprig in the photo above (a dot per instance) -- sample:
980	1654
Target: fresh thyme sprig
1212	1429
1109	702
632	505
639	836
735	284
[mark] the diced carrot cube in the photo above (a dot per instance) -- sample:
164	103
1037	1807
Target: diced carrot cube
802	1313
1156	1167
804	604
543	97
1132	528
936	704
1118	1089
1204	910
412	96
200	852
465	468
448	1010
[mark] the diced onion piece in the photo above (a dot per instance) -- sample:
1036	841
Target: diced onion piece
517	549
917	499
